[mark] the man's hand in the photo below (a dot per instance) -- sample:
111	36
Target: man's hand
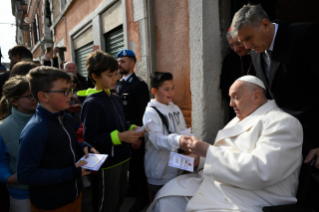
48	56
196	161
92	150
183	142
311	155
84	171
129	136
137	144
12	179
56	50
198	147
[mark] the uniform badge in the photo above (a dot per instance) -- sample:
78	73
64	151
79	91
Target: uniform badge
124	53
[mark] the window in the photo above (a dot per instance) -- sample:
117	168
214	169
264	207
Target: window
35	26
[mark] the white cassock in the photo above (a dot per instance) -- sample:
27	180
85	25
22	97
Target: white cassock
253	163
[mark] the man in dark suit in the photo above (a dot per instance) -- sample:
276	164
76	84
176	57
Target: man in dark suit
135	96
286	59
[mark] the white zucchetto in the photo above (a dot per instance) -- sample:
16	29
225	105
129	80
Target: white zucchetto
253	80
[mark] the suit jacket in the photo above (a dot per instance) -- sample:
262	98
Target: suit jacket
134	94
253	163
293	76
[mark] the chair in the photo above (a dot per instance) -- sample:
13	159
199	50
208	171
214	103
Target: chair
302	194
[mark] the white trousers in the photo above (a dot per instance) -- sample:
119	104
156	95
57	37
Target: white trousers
19	205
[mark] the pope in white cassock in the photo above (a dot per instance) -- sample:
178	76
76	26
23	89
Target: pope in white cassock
254	162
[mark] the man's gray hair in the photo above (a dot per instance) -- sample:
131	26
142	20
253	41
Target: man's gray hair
248	15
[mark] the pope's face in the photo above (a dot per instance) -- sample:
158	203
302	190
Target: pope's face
256	38
241	99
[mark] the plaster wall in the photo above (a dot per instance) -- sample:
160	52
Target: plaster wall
206	59
173	49
56	8
78	11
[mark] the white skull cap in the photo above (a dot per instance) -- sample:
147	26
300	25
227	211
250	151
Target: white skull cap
253	80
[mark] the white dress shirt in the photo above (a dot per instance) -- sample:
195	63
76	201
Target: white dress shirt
127	77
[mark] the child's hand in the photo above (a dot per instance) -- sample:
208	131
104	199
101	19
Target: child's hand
92	150
138	127
129	136
84	171
183	142
137	144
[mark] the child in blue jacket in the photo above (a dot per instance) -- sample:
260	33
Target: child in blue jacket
48	147
106	129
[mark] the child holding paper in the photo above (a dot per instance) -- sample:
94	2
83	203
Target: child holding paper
105	127
48	148
160	141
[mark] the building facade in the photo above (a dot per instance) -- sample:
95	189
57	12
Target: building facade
184	37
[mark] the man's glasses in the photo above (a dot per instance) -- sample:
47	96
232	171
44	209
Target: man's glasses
65	92
235	44
29	96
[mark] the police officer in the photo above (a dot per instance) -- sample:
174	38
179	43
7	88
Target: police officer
135	96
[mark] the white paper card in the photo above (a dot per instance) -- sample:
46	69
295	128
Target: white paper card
181	161
95	161
187	132
145	126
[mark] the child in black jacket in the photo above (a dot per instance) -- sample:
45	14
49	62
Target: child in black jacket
105	127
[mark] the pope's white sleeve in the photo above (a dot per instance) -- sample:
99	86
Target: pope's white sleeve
276	156
155	133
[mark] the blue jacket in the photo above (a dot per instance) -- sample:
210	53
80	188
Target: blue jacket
103	118
47	157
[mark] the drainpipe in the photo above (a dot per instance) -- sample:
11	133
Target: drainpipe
125	24
152	36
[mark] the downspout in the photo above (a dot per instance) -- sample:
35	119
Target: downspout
152	36
125	24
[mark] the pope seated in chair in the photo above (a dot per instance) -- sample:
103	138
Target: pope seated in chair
254	161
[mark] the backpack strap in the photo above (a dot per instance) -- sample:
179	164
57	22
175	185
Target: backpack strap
163	118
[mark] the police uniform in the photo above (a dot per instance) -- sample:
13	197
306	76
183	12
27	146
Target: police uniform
134	94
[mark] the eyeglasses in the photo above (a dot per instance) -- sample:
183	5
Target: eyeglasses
65	92
29	96
235	44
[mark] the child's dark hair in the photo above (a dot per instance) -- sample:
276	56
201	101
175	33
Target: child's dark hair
12	89
158	78
98	62
41	79
22	68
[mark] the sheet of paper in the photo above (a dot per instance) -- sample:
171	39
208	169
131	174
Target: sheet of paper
145	126
187	132
95	161
181	161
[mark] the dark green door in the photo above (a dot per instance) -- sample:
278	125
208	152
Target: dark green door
81	55
114	41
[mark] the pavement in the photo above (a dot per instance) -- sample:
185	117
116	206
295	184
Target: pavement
87	202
